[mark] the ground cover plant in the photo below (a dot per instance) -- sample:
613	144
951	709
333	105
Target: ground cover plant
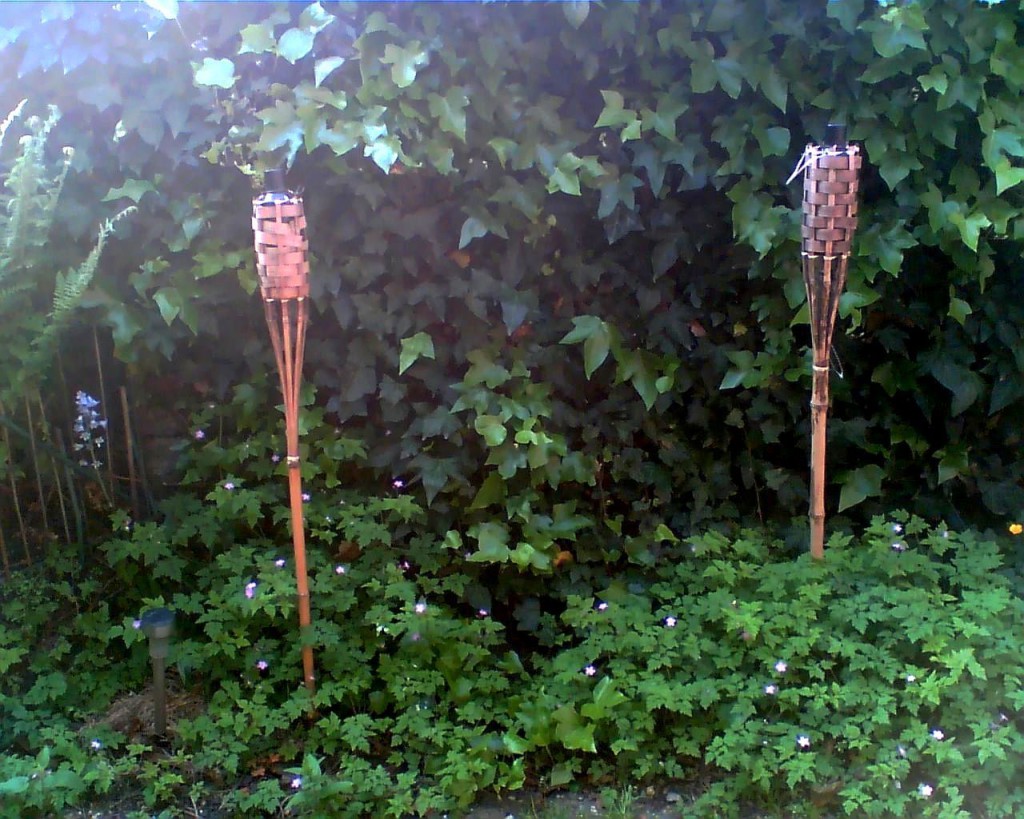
554	434
886	682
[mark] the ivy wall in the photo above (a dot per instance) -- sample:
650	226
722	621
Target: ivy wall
556	262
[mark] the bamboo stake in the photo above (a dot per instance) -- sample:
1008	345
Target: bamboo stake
3	553
14	492
72	496
35	464
106	408
130	451
58	483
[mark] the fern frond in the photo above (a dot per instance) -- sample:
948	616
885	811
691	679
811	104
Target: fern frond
71	286
15	113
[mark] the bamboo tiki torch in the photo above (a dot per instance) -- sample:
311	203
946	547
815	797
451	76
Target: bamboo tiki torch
829	222
282	264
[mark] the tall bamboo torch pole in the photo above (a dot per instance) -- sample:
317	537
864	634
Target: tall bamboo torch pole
279	227
831	181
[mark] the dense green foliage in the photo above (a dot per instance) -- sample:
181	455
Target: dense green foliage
886	682
489	184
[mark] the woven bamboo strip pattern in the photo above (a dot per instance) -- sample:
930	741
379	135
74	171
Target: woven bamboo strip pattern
830	200
282	249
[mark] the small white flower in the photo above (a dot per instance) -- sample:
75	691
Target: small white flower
670	622
901	751
781	666
280	562
590	670
911	678
803	741
899	546
136	624
771	689
938	734
96	745
339	569
602	606
925	790
297	783
420	608
897	528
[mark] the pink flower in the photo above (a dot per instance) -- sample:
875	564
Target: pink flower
925	790
199	435
590	670
229	485
781	666
339	569
250	589
262	665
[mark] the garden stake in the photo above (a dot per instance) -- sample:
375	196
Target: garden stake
829	222
279	227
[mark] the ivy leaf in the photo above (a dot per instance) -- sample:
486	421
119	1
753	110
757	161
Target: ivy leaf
323	68
133	189
295	44
664	255
492	543
860	484
216	73
1007	176
970	227
576	11
472	229
450	111
595	349
491	428
847	12
257	38
959	309
614	113
890	40
503	147
564	178
775	88
415	347
168	8
953	462
168	300
404	62
492	491
966	385
315	18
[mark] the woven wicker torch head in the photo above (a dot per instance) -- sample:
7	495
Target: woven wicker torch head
831	180
282	249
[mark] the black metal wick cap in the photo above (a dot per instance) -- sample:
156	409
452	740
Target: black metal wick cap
835	134
274	181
